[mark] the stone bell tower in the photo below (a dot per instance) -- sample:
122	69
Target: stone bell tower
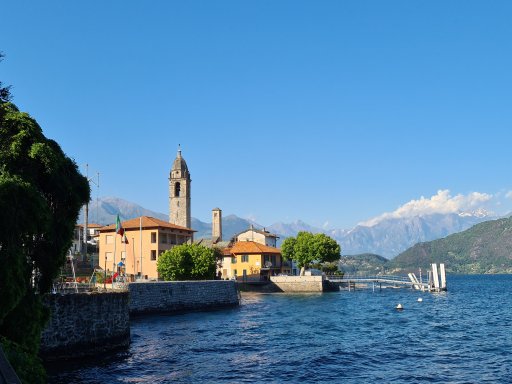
179	193
216	225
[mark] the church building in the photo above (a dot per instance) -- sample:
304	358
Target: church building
144	239
179	193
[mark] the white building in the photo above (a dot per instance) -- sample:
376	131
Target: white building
258	236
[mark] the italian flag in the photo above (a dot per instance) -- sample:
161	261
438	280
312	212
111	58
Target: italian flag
119	227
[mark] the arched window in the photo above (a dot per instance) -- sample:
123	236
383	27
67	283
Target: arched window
177	188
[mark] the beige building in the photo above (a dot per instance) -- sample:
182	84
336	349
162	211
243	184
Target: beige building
258	236
251	261
145	238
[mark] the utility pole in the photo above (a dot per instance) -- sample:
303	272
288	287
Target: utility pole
86	209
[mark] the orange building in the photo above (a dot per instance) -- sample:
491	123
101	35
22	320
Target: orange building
250	260
145	238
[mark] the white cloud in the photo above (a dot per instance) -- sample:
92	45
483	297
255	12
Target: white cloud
508	195
442	202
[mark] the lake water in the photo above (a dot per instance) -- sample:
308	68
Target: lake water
460	336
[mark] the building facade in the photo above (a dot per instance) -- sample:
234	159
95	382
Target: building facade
250	261
258	236
145	239
180	193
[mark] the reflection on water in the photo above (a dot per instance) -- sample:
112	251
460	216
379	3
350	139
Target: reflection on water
461	336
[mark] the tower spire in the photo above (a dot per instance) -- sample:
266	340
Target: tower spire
179	192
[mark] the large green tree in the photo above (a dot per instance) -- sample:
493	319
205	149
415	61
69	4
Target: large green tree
188	262
5	94
308	248
41	193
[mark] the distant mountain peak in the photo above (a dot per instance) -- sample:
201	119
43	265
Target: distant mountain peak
480	212
388	236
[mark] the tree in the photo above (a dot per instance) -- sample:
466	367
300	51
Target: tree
188	262
307	248
41	193
5	94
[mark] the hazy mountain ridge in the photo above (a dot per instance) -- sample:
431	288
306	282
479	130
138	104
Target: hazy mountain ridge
291	229
483	248
367	263
388	237
105	210
392	236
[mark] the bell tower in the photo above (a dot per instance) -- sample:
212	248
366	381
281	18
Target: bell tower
179	193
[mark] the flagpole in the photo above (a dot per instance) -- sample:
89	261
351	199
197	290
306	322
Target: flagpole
124	261
133	255
140	236
114	270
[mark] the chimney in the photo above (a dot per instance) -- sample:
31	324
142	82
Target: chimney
216	225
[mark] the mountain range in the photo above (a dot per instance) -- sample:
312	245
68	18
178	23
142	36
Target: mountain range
392	236
388	237
483	248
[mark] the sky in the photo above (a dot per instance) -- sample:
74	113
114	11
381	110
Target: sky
331	112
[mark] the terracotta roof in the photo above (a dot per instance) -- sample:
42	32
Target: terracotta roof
147	222
261	231
252	247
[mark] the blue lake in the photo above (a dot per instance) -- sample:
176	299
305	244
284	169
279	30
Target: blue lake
460	336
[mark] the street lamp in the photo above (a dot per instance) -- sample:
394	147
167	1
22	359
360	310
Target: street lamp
105	279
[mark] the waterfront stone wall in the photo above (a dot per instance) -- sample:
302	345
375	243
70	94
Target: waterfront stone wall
181	296
299	283
83	324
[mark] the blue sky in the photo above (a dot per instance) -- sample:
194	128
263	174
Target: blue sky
332	112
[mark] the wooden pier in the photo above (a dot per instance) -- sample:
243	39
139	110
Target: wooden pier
435	281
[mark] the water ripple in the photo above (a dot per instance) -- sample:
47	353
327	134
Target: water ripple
461	336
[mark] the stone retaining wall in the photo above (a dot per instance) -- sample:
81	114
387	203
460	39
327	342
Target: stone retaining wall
83	324
299	283
180	296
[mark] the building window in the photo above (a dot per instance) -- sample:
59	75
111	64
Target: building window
172	238
109	239
108	256
234	272
177	188
153	255
233	260
245	258
123	255
153	237
163	238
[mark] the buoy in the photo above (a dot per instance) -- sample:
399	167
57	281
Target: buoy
399	307
420	299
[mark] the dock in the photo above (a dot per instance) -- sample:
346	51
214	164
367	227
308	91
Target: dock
435	282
